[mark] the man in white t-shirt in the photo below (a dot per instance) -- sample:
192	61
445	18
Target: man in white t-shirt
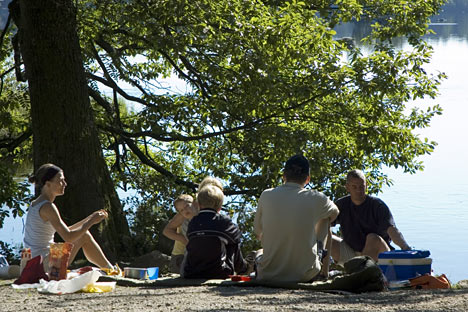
289	221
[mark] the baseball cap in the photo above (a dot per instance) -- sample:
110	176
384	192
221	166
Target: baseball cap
297	163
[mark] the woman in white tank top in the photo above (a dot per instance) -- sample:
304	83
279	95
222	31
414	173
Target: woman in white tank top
43	220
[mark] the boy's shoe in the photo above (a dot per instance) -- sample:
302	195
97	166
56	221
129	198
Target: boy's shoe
251	259
321	252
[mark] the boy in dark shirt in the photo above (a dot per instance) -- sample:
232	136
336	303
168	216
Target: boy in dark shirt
213	250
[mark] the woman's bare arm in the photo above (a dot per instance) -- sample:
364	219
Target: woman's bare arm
170	231
49	212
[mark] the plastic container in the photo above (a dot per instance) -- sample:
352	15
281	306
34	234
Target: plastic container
400	265
142	273
25	257
99	287
153	273
138	273
68	286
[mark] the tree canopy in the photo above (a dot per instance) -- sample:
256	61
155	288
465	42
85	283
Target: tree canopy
265	80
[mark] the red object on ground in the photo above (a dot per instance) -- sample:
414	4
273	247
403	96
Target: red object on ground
84	269
32	272
238	278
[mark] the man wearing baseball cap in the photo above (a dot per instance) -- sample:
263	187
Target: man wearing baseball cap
288	221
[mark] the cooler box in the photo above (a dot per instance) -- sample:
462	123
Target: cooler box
404	264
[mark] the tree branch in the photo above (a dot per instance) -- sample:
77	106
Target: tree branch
100	101
147	161
117	63
11	143
197	82
111	84
244	127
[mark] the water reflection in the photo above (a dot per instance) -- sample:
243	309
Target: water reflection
453	12
431	207
450	23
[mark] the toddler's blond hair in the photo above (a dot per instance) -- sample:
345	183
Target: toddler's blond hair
210	181
183	197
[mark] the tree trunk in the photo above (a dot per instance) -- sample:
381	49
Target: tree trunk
64	132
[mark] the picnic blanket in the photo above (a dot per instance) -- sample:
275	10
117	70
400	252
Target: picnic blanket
361	275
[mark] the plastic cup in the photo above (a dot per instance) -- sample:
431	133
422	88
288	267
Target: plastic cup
153	273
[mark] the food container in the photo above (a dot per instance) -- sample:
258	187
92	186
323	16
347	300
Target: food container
138	273
142	273
400	265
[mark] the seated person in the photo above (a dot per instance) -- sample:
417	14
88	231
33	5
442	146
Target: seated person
176	229
366	223
291	221
213	250
43	220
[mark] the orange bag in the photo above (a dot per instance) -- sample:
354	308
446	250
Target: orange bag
428	281
58	260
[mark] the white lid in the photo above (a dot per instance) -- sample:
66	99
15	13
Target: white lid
415	261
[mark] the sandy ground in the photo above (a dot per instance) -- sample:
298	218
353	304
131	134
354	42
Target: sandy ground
231	298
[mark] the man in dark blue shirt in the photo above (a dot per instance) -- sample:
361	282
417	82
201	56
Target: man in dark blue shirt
366	223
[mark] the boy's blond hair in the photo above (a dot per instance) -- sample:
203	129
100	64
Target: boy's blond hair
210	181
183	197
210	196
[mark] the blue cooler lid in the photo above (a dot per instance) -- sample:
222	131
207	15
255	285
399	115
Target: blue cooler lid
404	254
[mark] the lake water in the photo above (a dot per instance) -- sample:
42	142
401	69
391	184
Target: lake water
430	207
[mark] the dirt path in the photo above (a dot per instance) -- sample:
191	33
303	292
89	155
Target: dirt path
222	298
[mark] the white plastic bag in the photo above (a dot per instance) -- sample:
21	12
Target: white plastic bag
67	286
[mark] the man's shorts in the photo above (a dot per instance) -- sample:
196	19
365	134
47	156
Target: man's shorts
346	252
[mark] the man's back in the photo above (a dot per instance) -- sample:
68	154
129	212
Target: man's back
286	218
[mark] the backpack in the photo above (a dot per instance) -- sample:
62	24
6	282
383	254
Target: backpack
362	274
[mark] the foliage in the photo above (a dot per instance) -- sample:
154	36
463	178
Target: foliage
265	80
15	147
11	253
147	225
